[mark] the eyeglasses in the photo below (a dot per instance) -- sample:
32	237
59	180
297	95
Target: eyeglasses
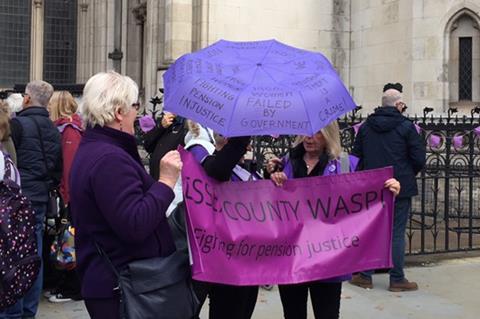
136	106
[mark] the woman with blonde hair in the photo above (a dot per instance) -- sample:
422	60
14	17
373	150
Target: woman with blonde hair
317	155
62	108
7	164
5	139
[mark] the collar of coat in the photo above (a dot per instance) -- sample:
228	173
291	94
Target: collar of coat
113	136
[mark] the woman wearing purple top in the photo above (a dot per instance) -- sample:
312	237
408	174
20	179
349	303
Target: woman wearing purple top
114	202
318	155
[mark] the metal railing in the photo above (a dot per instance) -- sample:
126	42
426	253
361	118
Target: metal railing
446	214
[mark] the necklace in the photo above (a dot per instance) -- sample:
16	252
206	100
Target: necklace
311	163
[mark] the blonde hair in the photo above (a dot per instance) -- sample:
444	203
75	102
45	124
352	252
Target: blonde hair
4	121
62	105
104	94
331	133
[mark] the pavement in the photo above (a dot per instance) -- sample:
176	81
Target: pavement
448	289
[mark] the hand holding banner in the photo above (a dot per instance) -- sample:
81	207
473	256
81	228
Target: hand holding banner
253	233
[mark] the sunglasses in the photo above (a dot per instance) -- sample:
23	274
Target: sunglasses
136	106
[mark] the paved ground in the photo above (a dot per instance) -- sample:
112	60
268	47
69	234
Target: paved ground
448	289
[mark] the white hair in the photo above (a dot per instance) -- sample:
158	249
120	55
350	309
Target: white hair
14	102
104	94
40	92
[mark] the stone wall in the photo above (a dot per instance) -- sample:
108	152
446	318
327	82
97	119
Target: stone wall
409	41
370	42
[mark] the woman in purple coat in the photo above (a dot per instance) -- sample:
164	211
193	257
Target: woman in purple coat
317	155
114	202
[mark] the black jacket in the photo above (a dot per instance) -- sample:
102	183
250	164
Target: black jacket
388	138
38	171
159	141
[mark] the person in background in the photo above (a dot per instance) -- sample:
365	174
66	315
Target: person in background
387	138
6	140
114	202
226	301
6	163
164	137
62	108
317	155
39	161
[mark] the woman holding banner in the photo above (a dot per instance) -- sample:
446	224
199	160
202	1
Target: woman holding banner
317	155
233	302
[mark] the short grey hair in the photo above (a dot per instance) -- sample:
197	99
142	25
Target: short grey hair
104	94
390	97
40	92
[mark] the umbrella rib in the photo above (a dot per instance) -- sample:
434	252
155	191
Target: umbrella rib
299	93
291	74
236	101
273	79
307	114
268	51
243	58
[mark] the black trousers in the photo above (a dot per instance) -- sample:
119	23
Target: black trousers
325	298
232	302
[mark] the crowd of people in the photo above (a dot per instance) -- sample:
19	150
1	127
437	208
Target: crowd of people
121	213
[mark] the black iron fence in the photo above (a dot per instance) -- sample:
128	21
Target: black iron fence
446	214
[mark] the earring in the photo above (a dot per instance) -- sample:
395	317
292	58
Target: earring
121	129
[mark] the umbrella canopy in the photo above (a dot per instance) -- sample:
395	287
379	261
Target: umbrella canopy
256	88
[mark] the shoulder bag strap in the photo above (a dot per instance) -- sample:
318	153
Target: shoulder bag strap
107	260
4	166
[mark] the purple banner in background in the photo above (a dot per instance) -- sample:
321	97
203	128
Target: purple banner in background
253	233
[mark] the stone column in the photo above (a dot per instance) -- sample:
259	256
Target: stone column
340	40
36	47
140	14
152	44
178	29
82	44
117	54
200	30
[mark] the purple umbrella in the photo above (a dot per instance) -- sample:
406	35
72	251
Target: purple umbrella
256	88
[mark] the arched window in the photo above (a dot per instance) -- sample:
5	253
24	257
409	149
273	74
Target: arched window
464	62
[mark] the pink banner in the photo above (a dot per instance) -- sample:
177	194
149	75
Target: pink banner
254	233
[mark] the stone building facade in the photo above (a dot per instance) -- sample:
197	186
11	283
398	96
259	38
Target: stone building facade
431	46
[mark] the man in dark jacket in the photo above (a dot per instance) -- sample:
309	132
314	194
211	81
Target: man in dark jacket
165	137
39	161
389	139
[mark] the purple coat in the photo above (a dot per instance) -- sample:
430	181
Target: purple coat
116	203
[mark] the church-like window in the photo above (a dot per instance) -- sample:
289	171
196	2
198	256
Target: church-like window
465	69
464	60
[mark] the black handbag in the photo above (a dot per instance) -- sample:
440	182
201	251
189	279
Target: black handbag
157	288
